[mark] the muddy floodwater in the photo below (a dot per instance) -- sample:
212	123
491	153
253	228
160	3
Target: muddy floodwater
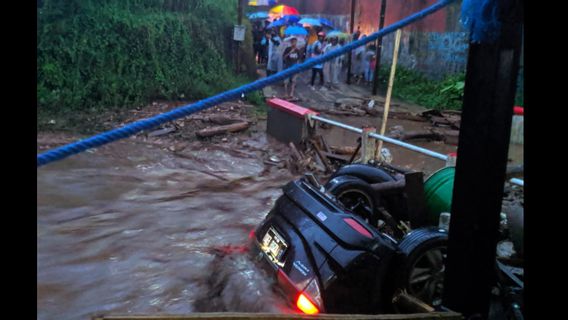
133	229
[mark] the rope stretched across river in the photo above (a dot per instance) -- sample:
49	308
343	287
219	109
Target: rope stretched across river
146	124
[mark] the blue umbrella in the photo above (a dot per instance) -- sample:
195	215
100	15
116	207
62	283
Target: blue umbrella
326	22
258	15
310	21
295	31
284	21
277	23
290	19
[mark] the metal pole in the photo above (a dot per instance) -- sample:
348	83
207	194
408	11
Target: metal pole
379	47
489	96
351	26
240	9
382	138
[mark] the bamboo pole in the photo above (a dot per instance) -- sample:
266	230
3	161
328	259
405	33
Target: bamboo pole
389	92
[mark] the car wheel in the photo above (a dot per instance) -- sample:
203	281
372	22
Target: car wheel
355	195
421	272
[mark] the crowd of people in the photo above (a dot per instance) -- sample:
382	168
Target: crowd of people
278	53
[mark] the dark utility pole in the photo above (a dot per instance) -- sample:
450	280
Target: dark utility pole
351	26
379	47
489	97
240	11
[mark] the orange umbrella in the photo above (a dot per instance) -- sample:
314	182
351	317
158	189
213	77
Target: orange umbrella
283	10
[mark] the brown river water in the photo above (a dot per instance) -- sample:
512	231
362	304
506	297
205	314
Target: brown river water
132	229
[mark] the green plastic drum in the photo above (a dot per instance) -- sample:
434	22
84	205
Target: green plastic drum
438	190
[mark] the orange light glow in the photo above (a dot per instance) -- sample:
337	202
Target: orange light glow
306	305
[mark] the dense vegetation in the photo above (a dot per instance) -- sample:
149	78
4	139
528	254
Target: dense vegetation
94	54
414	87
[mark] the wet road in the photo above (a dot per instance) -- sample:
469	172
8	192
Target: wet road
132	229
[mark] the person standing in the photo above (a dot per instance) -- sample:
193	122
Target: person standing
272	41
368	65
358	62
334	65
316	50
290	58
357	34
257	38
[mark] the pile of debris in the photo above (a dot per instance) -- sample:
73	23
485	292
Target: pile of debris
443	125
316	156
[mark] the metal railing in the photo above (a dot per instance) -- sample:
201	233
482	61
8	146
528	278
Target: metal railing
377	136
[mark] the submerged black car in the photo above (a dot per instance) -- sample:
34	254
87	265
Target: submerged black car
328	256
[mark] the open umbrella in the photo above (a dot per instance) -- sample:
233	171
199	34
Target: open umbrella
337	34
295	31
283	10
258	15
310	22
326	22
284	21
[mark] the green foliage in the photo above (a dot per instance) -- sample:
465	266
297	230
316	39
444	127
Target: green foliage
110	53
414	87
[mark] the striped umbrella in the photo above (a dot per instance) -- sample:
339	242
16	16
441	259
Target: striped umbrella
283	10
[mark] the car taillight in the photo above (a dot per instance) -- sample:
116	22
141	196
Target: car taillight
358	227
251	234
306	305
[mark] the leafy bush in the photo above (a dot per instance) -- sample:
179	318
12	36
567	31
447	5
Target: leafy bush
414	87
110	53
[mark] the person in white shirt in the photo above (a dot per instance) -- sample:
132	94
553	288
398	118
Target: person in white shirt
333	66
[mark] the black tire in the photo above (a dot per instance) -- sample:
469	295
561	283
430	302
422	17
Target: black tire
365	172
421	271
355	195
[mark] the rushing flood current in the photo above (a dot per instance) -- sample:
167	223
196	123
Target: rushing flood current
132	229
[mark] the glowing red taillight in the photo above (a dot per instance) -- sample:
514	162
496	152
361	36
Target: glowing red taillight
357	227
306	305
251	234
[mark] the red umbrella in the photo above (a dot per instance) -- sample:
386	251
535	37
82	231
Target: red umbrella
283	10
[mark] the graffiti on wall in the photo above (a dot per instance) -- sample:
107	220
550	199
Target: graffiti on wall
435	54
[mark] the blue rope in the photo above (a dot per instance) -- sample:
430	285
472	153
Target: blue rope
145	124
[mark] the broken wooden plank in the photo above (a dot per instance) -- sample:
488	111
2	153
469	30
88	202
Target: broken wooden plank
337	157
295	151
343	150
235	127
161	132
324	160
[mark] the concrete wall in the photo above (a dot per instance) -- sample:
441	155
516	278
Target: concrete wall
436	45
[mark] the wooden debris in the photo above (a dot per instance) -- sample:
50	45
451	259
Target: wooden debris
343	150
161	132
235	127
